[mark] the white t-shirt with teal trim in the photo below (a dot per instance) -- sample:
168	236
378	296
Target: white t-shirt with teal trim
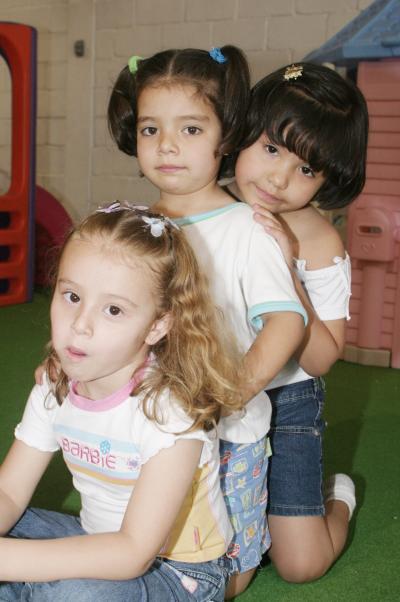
248	277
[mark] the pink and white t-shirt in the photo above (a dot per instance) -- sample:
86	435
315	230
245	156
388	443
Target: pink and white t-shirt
105	443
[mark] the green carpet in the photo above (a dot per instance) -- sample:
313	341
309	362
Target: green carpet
362	438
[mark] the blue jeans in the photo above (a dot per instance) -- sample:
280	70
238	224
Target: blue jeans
164	582
295	478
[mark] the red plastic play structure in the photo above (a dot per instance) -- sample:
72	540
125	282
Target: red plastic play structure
18	47
373	234
52	223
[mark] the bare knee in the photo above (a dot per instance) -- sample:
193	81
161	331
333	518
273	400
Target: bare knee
302	570
302	548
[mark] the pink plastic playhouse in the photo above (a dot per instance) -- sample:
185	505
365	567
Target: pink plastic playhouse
373	233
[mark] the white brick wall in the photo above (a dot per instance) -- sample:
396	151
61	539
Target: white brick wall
149	12
248	34
260	8
76	160
210	10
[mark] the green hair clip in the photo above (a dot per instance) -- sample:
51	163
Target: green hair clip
133	63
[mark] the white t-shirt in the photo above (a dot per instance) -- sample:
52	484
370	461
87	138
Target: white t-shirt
329	288
104	444
248	278
329	291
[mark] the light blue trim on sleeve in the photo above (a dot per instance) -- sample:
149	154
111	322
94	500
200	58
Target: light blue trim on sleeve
254	314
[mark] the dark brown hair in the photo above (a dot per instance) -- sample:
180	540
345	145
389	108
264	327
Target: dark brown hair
322	118
226	86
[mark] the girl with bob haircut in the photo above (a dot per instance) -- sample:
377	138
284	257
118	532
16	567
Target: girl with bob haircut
305	145
182	112
320	117
142	380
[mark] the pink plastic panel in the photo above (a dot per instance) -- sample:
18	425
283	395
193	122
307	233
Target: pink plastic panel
384	155
380	80
386	108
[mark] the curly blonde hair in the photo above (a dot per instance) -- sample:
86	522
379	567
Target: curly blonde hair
196	360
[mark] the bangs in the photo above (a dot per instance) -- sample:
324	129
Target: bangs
311	130
320	117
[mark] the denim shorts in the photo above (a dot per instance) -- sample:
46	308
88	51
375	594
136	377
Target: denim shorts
166	580
295	472
243	472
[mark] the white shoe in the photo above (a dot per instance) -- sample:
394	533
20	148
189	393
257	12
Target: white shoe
341	487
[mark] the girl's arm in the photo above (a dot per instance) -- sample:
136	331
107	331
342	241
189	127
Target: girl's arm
152	510
323	342
271	350
273	305
20	473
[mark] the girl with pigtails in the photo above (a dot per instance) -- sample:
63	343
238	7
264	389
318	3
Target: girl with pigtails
182	113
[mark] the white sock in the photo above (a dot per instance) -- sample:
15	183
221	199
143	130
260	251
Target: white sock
341	487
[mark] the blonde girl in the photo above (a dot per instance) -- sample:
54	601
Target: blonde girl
143	381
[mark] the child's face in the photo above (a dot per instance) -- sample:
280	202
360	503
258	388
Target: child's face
273	177
103	316
178	135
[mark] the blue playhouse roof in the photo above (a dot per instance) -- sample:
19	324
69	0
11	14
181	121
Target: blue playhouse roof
374	34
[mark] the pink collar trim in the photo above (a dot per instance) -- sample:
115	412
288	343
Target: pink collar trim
107	403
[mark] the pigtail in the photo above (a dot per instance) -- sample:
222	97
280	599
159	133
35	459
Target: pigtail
225	84
236	95
122	114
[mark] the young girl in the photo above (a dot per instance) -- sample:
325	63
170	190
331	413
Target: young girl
306	141
142	380
181	113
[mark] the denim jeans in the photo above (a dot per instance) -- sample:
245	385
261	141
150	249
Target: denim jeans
165	581
296	470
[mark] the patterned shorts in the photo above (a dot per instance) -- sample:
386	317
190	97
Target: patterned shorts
243	474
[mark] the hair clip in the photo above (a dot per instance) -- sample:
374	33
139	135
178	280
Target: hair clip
216	54
124	206
133	63
115	206
157	224
293	72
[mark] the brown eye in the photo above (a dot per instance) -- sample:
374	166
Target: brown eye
192	130
149	131
71	297
307	171
113	310
271	149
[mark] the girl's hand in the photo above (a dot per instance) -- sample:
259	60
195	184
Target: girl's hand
274	227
